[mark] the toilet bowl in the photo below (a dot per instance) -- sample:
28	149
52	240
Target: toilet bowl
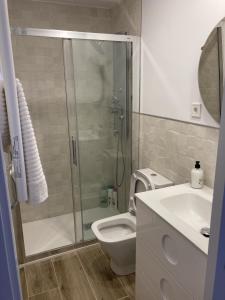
117	234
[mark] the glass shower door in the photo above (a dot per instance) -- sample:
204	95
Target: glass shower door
39	64
103	108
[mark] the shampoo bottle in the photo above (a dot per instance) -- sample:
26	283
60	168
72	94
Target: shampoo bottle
197	176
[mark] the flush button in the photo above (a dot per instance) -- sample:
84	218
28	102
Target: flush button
169	249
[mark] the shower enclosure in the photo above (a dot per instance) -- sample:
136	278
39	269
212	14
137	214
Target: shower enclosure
79	91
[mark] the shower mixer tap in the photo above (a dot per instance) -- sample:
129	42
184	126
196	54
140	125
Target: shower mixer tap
115	106
115	99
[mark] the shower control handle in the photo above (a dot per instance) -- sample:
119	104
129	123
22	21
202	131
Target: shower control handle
74	151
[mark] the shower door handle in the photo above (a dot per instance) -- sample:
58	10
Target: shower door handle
74	151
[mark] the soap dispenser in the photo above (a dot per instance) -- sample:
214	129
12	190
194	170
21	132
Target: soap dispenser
197	176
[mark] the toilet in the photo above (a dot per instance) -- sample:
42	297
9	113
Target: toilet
117	234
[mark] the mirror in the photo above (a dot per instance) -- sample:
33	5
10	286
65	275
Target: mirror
211	71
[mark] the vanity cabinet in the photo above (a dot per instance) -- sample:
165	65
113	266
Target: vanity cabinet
168	265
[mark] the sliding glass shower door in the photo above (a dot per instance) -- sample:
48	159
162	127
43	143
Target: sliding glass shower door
79	96
39	64
100	136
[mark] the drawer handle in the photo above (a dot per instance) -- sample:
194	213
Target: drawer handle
166	289
169	249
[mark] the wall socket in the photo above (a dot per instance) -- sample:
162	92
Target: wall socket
196	110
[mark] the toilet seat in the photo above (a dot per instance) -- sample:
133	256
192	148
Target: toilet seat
140	176
115	229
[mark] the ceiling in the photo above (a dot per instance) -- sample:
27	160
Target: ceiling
89	3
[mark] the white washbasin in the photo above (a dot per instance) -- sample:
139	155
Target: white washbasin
188	210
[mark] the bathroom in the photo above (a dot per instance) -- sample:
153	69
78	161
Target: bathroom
124	96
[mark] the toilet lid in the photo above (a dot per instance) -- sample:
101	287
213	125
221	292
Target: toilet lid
138	184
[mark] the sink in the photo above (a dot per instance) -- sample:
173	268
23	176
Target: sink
190	208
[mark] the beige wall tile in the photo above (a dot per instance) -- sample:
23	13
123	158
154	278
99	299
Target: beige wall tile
126	17
25	13
171	148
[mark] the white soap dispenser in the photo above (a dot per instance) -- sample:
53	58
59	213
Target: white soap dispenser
197	176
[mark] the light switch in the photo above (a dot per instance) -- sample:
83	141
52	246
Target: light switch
196	110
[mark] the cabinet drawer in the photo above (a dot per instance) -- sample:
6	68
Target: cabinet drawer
144	288
155	282
177	254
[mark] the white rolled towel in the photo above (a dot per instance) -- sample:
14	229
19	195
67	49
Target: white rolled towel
36	181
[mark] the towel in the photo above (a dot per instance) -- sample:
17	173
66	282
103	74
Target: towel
36	181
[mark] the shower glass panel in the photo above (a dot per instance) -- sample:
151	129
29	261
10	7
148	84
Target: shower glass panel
103	111
78	91
39	64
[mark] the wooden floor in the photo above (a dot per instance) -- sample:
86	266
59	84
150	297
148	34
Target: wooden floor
84	274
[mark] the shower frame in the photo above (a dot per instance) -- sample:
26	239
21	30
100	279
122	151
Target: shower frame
134	93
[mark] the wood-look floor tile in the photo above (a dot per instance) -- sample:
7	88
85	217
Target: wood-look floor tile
71	278
128	283
23	284
50	295
40	277
106	284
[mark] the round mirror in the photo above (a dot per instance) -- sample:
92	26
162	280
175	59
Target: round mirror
211	71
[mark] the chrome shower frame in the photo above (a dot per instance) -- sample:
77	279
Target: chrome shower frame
133	72
63	34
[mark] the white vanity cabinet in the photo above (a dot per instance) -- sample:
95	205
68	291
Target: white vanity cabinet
168	265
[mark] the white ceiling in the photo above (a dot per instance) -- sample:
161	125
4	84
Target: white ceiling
89	3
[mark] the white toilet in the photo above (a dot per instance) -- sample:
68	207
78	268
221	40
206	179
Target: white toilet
117	234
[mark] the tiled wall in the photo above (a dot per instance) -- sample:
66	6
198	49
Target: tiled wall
135	140
126	17
37	14
171	148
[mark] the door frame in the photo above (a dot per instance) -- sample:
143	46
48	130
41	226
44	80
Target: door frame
9	272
